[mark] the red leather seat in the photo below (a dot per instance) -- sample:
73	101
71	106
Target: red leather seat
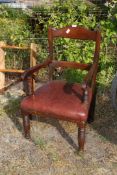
58	99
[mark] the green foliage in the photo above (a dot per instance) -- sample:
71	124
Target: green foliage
71	12
77	12
18	26
14	28
13	33
108	48
40	142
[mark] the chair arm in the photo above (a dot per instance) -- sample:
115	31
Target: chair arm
30	71
90	74
88	78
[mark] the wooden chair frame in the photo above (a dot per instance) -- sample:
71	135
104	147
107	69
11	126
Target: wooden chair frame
72	32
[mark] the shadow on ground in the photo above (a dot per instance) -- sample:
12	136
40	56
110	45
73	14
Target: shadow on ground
105	122
12	109
13	112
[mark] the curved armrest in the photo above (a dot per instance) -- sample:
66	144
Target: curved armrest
34	69
89	75
87	80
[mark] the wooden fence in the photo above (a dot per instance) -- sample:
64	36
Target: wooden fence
32	60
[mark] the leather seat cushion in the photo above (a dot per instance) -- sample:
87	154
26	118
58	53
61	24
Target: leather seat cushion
58	99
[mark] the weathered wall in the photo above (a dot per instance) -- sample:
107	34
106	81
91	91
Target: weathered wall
36	2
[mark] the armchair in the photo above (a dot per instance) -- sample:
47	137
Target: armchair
58	98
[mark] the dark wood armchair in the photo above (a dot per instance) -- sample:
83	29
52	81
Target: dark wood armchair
57	98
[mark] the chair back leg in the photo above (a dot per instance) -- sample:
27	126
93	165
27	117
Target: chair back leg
81	135
26	125
92	108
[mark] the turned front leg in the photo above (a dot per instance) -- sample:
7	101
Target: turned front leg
81	135
26	125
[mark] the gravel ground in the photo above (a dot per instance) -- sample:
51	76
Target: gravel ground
53	148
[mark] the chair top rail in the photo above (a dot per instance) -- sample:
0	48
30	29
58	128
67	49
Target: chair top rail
75	32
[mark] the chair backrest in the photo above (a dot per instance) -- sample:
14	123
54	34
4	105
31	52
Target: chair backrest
74	32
